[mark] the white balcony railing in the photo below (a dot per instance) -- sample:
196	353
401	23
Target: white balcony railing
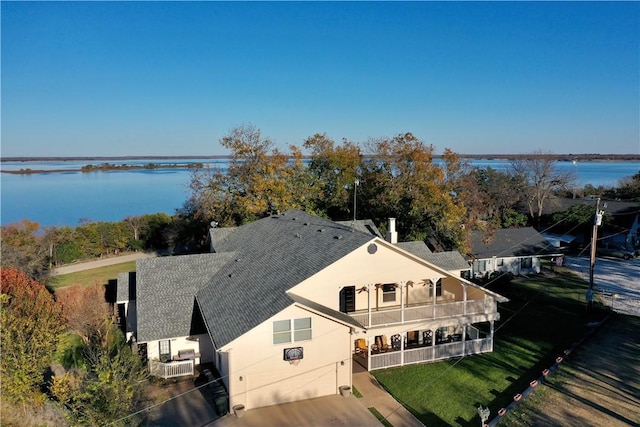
429	354
171	369
397	315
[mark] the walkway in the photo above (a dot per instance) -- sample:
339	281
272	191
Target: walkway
74	268
374	396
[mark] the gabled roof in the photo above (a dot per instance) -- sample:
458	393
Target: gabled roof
363	225
166	287
450	260
417	248
336	315
271	256
510	242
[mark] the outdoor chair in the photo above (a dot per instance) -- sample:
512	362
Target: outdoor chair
381	343
395	342
361	347
427	338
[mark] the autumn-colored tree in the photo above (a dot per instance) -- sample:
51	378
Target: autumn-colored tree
490	197
84	309
259	180
23	250
334	171
401	180
31	325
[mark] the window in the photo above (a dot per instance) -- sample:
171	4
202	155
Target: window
500	262
388	292
526	262
438	289
302	329
283	333
165	351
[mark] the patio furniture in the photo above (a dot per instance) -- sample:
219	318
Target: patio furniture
427	338
395	342
381	343
361	347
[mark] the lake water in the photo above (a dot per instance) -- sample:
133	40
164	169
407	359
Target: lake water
63	198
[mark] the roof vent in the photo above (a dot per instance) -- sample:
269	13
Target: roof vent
338	237
306	223
321	230
298	235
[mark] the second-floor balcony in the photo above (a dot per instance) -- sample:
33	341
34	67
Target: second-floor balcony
383	316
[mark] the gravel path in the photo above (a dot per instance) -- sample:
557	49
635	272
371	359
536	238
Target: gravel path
616	281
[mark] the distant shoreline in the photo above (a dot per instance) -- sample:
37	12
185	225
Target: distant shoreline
560	157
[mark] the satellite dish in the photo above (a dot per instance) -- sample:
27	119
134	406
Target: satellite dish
213	224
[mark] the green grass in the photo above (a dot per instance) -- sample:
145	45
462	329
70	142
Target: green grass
356	392
380	418
543	317
100	275
69	351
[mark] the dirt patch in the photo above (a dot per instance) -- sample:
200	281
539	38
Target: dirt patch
598	385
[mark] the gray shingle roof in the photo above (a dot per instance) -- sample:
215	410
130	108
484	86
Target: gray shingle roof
417	248
166	287
363	225
450	261
510	242
272	255
122	288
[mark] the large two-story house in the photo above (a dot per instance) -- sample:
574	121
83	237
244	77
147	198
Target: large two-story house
284	306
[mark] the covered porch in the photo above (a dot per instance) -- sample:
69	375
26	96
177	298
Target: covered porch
421	347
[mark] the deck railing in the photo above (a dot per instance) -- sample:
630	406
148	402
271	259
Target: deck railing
171	369
428	354
398	315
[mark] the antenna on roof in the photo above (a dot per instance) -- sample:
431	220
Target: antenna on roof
356	183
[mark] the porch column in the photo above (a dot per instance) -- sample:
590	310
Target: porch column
464	298
491	335
433	289
402	302
369	303
464	337
368	354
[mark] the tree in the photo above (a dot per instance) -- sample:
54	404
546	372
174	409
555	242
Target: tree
260	180
109	389
31	325
84	309
401	180
539	178
334	170
23	250
490	197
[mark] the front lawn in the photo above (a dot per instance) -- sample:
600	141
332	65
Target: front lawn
543	317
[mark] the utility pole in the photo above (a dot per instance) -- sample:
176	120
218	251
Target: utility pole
597	221
355	189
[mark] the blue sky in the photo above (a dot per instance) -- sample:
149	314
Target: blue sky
172	78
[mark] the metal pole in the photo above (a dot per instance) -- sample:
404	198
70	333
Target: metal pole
355	189
594	237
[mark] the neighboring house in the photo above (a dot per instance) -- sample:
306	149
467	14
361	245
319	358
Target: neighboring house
510	250
624	229
283	306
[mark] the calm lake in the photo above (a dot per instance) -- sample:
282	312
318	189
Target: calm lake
63	198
